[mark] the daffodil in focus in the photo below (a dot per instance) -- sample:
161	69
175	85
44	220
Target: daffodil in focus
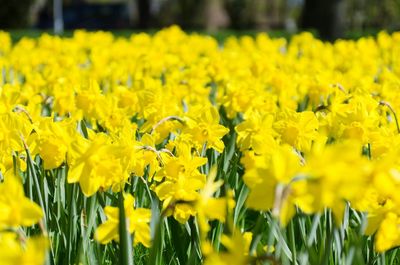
179	182
203	128
297	129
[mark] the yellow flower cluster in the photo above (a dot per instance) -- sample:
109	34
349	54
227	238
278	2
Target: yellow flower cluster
314	123
16	211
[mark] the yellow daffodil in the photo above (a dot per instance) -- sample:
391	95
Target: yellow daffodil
13	251
15	208
137	219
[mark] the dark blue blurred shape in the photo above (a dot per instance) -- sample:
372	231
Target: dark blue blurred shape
90	16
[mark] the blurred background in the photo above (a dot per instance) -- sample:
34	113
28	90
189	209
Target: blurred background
329	19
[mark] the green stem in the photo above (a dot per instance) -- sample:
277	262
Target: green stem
157	220
328	239
271	238
369	151
32	174
72	197
125	240
256	234
393	112
292	242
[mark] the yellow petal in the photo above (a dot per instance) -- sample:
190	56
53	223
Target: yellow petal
107	232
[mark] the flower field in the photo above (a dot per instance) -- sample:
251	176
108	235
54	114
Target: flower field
173	148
